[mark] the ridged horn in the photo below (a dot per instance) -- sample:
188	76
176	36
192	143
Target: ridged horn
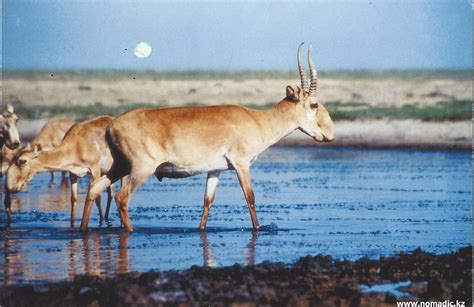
304	81
313	75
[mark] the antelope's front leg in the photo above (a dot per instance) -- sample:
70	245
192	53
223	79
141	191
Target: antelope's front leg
8	204
138	175
243	173
73	179
95	188
209	195
110	195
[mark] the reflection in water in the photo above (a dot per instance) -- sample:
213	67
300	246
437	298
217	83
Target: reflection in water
95	254
251	248
99	255
40	254
122	263
14	264
210	261
53	197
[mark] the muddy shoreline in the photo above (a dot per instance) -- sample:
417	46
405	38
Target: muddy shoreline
390	134
311	280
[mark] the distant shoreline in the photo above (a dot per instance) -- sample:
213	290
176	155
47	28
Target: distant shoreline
363	134
464	74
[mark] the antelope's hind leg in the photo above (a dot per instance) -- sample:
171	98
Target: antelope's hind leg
210	194
73	179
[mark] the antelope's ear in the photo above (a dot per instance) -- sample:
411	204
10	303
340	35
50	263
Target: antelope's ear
37	149
292	94
10	108
27	147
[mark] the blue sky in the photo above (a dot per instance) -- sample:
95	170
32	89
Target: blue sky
235	35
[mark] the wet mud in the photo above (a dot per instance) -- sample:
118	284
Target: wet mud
312	280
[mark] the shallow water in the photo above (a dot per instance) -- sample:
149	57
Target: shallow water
346	203
393	288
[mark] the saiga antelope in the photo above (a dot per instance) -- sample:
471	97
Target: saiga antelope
48	138
82	151
51	135
185	141
9	143
8	131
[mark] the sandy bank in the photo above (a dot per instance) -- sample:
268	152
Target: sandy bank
128	89
395	134
370	133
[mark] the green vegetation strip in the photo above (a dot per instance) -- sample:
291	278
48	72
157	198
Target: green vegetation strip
442	111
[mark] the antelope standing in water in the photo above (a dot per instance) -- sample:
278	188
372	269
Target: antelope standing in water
9	144
48	138
83	151
185	141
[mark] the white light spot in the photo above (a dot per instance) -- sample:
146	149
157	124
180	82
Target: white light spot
142	50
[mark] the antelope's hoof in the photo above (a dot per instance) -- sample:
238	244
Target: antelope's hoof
129	228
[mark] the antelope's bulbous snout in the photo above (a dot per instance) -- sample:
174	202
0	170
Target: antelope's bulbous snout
328	139
13	187
324	138
12	145
13	182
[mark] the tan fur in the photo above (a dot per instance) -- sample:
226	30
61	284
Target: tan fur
49	137
83	151
9	144
181	142
7	156
53	133
9	135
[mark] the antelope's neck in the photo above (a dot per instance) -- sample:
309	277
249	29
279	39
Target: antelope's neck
277	122
56	159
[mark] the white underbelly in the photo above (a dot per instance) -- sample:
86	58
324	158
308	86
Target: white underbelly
80	171
171	170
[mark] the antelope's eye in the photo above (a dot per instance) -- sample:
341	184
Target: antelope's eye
21	162
314	105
